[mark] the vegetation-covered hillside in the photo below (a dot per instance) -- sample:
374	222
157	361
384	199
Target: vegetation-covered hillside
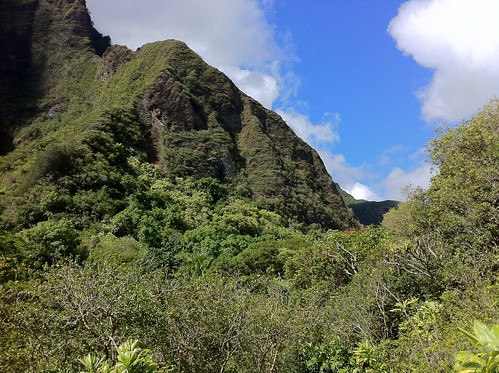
144	197
174	110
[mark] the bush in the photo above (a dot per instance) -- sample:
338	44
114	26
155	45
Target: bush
49	241
130	359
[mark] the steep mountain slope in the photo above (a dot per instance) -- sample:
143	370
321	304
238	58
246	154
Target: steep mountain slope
73	104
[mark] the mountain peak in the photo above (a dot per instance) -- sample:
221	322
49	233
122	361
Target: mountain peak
188	117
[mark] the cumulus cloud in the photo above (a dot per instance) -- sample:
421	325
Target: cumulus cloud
361	191
230	32
233	35
459	40
365	182
315	134
347	175
260	86
399	179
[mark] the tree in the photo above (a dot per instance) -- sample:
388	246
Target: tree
449	233
49	241
464	196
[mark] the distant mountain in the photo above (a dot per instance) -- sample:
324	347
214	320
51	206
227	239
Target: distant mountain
74	108
368	212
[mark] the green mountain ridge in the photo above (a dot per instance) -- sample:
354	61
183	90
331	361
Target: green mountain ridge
368	212
189	118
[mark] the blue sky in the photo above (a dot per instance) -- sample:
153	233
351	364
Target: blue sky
364	82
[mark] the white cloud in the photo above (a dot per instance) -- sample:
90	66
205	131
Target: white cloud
262	87
230	32
314	134
398	179
361	191
233	35
459	40
364	183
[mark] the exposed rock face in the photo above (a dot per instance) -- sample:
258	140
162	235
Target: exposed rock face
171	105
204	126
113	58
198	122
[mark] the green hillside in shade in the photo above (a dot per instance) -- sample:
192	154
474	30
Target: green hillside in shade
368	212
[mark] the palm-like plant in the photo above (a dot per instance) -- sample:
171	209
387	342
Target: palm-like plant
131	359
485	355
